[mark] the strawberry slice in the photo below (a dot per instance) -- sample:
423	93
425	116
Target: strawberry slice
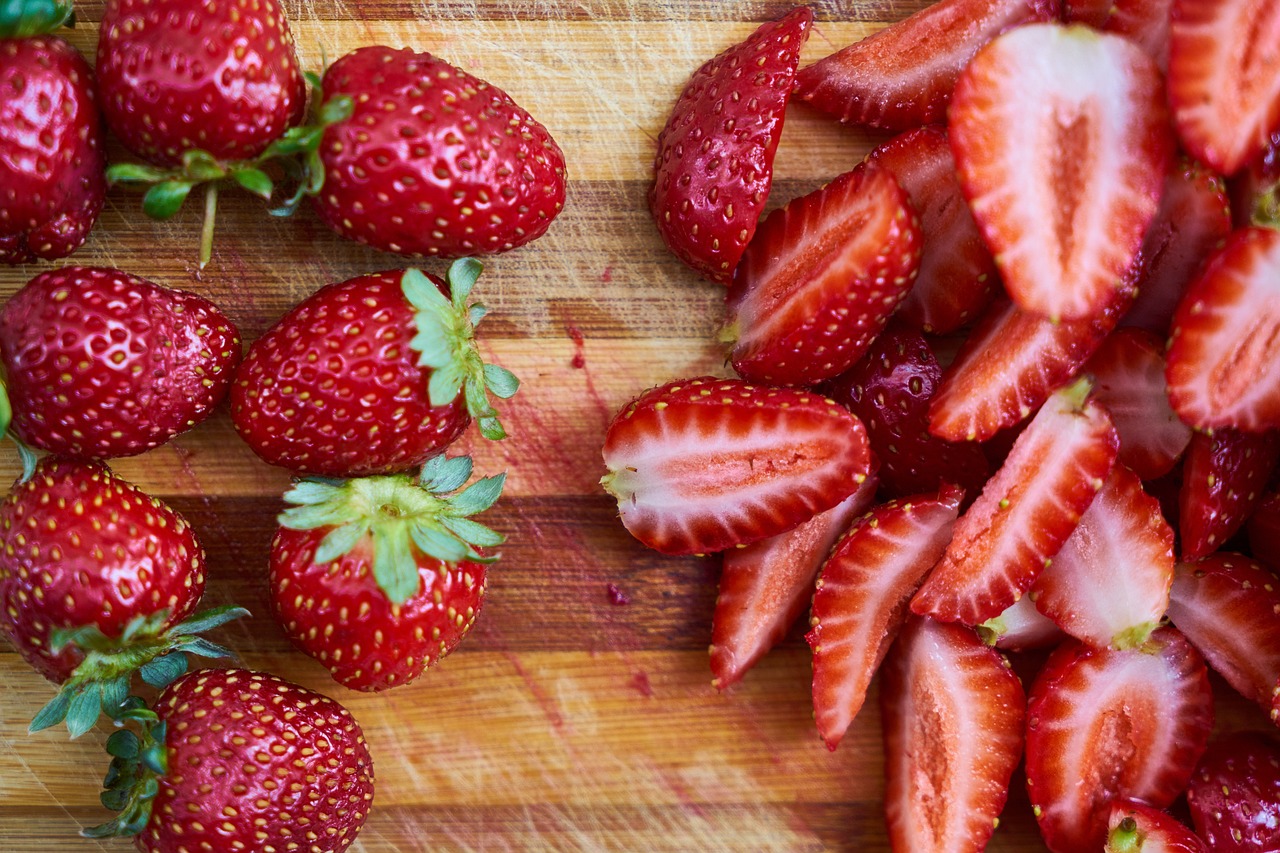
821	278
1264	530
1025	513
1128	375
952	713
1093	13
1224	78
1224	356
1146	24
714	164
1109	585
1255	190
1103	724
1228	606
861	601
1223	479
1021	627
902	76
1060	136
957	275
1235	794
1137	828
889	391
701	465
765	586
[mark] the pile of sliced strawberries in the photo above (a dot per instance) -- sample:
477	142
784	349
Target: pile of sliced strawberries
1058	204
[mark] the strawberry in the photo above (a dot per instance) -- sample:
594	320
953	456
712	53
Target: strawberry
1109	584
51	150
902	77
1128	376
1235	794
100	363
1025	513
1224	367
1105	724
1263	529
953	713
1224	78
861	600
820	279
1061	143
1146	23
394	559
369	376
1137	828
714	163
1021	627
1093	13
765	586
889	391
1224	478
1255	190
701	465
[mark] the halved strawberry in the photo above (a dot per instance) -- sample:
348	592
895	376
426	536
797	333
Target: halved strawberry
861	600
1137	828
952	712
1224	78
714	164
1103	724
1025	513
1109	585
1255	190
902	76
765	586
1061	139
1263	528
1128	376
1146	23
701	465
1224	355
1223	479
1235	794
1093	13
957	276
1229	608
820	279
1020	627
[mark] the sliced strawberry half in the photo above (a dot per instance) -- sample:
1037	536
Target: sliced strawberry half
1021	627
902	76
1025	513
1137	828
1145	23
1224	78
1264	530
1061	139
765	586
1255	190
714	164
821	278
1223	479
701	465
862	595
1235	794
1224	355
1228	606
1109	585
1104	724
1093	13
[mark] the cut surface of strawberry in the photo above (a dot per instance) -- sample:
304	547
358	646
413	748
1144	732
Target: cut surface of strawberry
1137	828
1234	794
1094	13
1223	478
1020	627
1146	23
1061	143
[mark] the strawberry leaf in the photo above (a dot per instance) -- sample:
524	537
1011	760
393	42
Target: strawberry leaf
6	410
444	385
207	620
26	18
473	532
123	744
54	712
163	200
478	497
463	274
439	544
160	672
83	711
393	565
500	381
442	474
255	181
339	541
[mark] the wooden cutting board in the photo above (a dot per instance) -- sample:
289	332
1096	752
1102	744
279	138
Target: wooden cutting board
579	714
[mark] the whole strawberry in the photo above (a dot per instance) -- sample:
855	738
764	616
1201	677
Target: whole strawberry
434	161
369	376
100	363
397	556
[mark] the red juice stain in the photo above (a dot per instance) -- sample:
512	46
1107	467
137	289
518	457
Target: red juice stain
607	275
617	597
579	357
640	683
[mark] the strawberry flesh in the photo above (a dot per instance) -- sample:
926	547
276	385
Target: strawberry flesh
1137	828
1224	477
1146	23
1234	794
1021	627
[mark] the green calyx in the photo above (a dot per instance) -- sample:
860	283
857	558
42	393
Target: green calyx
400	518
1266	208
25	453
138	760
26	18
446	342
1125	838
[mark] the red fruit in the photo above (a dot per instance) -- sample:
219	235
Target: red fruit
1136	828
701	465
1224	78
1224	364
1109	585
957	276
889	390
861	600
1094	13
100	363
1061	139
1021	627
1223	479
1263	528
1146	23
1235	794
1105	724
1025	513
765	586
820	279
953	713
902	76
1255	190
51	156
714	165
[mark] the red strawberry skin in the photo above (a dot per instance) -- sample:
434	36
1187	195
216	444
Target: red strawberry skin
221	77
254	757
1234	794
1146	22
51	150
714	164
1152	831
1224	477
1264	530
80	546
100	363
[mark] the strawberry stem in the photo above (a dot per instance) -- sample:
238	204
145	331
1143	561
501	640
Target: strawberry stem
26	18
210	216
